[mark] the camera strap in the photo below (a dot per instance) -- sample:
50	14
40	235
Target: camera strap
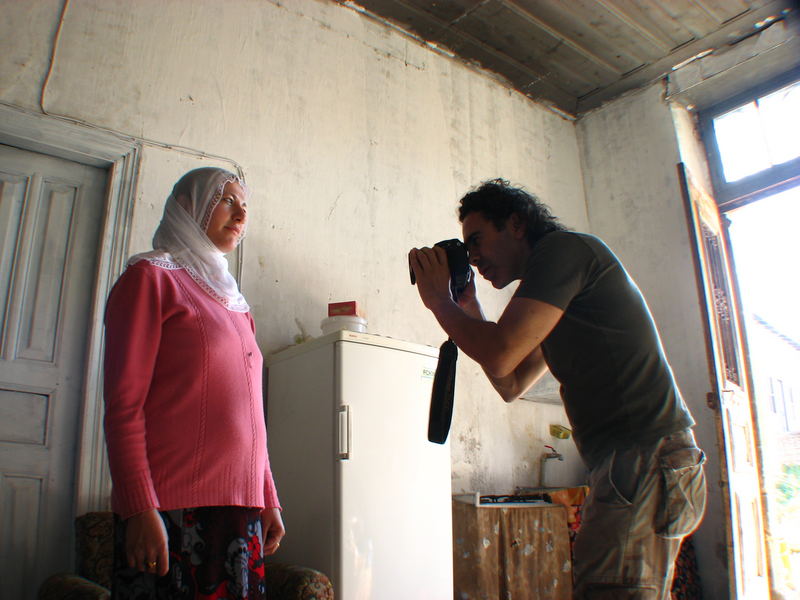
441	411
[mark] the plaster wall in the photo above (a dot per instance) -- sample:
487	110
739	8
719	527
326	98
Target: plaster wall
356	140
629	151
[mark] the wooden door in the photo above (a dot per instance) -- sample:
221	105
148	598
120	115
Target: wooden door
51	211
730	397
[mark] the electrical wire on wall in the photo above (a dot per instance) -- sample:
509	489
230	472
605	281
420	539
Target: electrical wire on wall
123	136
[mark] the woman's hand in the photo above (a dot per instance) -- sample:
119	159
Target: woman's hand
146	543
273	530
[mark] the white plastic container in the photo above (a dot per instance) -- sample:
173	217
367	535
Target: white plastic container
348	322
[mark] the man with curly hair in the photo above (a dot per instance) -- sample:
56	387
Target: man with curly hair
579	314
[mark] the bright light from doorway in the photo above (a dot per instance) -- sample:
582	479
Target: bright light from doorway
753	138
766	252
766	249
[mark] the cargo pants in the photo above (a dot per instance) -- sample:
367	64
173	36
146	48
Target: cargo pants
643	501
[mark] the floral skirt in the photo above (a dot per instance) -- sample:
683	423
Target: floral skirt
215	553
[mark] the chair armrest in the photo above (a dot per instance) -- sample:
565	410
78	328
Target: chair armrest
292	582
68	586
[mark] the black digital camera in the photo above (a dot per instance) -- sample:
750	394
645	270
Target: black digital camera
444	380
458	261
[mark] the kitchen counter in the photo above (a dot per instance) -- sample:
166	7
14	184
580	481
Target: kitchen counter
511	550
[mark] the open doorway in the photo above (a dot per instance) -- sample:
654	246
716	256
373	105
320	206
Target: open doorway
765	245
753	144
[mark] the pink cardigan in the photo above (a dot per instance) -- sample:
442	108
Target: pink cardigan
184	416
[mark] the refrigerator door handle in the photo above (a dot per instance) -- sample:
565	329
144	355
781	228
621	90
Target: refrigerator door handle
344	432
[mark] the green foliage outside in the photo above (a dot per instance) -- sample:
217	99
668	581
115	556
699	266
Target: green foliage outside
789	484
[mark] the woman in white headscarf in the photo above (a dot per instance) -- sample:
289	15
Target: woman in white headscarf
193	492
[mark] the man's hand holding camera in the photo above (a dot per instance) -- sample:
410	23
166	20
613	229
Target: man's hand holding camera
425	259
432	274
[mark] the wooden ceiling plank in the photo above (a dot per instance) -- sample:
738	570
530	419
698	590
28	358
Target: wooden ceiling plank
573	52
575	46
407	16
577	75
501	28
573	27
692	16
446	11
616	30
559	74
732	30
725	10
651	22
526	81
524	78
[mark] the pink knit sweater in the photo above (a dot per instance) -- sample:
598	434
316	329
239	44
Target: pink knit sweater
184	417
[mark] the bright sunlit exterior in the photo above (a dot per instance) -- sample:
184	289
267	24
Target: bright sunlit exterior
752	138
760	134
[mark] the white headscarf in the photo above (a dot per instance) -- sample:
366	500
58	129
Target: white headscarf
181	241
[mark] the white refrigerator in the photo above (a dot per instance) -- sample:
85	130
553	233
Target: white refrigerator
366	497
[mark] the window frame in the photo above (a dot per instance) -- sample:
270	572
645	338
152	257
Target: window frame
734	194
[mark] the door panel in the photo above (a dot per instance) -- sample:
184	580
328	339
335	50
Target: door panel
40	293
51	213
747	543
22	415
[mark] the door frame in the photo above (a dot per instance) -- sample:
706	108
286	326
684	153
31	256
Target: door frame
121	157
695	197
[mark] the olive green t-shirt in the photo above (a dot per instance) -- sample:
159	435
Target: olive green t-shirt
616	384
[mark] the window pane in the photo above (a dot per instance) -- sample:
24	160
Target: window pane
780	115
741	143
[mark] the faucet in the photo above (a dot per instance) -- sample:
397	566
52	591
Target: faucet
547	456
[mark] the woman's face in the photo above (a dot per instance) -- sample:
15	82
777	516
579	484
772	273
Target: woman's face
227	222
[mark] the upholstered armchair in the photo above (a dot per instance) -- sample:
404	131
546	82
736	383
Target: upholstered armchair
94	537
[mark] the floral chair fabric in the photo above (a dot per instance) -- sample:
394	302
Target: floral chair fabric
94	533
296	583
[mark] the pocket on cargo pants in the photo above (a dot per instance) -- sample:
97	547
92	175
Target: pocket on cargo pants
684	493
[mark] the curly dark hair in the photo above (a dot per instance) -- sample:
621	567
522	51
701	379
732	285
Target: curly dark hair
497	200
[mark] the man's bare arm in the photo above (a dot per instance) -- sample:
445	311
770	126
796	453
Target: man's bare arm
499	347
525	375
521	379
